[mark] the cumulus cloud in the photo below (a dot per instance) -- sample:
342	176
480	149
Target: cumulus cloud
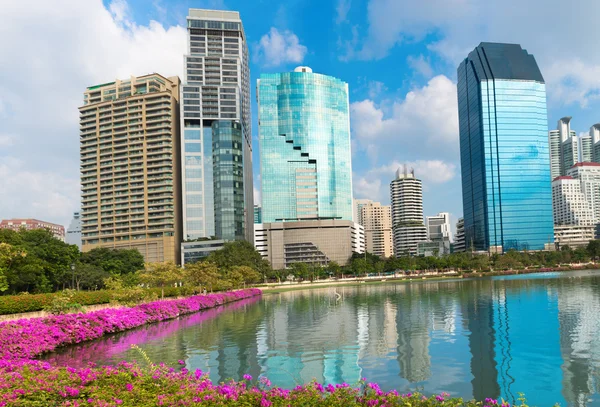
56	50
426	118
565	51
277	48
420	65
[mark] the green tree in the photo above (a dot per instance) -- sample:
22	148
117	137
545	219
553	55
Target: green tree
239	253
334	269
114	261
201	274
299	270
89	276
160	275
593	249
7	255
248	274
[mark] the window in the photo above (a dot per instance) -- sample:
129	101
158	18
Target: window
192	147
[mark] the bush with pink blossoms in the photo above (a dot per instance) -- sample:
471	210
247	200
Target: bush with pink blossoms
28	338
39	384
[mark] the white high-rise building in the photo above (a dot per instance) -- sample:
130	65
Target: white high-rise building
438	227
216	136
407	212
595	136
588	175
564	148
570	204
585	148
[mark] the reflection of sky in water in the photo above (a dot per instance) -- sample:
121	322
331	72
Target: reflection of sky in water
487	337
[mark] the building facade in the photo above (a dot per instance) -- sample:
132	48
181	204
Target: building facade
570	205
459	237
130	167
406	193
58	231
216	129
358	205
504	150
565	148
316	242
573	235
74	231
377	222
191	252
588	175
257	214
304	137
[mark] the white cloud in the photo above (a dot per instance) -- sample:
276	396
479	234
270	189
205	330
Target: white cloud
421	65
368	187
376	88
342	9
276	48
425	121
7	140
56	50
565	51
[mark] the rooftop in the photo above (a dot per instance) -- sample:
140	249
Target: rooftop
562	177
586	164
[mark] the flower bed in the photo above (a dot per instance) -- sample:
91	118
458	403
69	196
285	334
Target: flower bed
28	338
37	383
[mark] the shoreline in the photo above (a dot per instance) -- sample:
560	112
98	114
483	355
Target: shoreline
280	288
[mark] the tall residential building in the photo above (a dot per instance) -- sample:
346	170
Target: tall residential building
459	237
130	169
304	135
407	212
377	221
74	231
595	136
588	175
216	129
357	211
586	148
570	204
504	150
30	224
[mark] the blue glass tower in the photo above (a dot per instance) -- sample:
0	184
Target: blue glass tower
505	163
305	158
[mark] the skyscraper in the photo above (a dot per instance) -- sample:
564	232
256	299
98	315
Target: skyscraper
306	170
304	135
217	136
507	196
407	212
564	148
130	166
73	235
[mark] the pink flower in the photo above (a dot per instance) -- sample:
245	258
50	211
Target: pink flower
129	386
247	377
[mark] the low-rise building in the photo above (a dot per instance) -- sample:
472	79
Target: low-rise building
30	224
312	241
573	235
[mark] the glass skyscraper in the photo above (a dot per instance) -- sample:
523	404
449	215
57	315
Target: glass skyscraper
505	164
216	129
305	158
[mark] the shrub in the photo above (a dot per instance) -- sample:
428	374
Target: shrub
62	303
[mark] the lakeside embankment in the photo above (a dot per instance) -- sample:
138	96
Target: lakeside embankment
276	288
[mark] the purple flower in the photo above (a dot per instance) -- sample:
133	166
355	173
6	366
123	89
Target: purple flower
129	386
181	362
247	377
265	403
439	398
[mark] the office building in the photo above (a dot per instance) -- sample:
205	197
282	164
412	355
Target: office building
570	205
58	231
316	242
194	251
504	150
439	236
459	237
130	169
304	136
377	222
407	212
257	214
74	231
216	129
573	236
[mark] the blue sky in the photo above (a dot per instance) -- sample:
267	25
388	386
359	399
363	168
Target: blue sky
399	58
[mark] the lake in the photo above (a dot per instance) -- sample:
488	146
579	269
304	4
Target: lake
538	334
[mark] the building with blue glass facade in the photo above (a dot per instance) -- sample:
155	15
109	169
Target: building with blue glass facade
305	157
505	164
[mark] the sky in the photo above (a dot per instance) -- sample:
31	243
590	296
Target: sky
399	58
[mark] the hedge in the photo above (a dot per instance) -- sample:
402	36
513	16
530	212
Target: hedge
16	304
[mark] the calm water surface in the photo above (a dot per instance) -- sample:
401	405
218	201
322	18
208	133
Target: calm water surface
490	337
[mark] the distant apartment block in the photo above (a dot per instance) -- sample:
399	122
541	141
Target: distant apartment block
74	231
257	214
315	242
573	236
570	205
377	222
130	167
357	210
407	212
30	224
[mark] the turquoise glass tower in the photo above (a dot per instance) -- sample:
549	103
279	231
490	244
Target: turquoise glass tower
305	157
504	152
